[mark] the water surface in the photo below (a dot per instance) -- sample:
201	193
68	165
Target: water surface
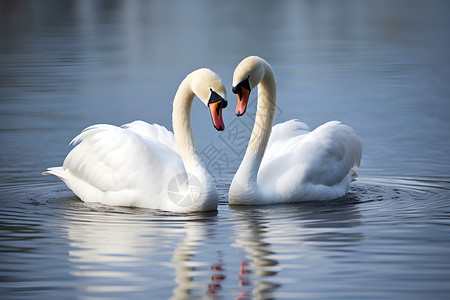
381	67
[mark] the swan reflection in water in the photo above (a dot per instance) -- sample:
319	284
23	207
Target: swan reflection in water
258	251
114	249
297	233
251	234
117	250
196	273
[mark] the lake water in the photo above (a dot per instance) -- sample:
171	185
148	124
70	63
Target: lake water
382	67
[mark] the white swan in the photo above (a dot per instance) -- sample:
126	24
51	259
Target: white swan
288	163
145	165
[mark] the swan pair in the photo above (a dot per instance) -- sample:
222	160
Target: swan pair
145	165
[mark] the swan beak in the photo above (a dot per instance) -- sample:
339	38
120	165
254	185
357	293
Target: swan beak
215	109
242	101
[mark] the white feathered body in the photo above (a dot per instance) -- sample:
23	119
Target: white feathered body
130	165
300	164
288	162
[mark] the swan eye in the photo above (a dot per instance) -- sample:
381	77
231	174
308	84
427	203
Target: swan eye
216	98
237	89
243	84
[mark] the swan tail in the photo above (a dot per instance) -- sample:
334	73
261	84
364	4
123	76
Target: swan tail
57	171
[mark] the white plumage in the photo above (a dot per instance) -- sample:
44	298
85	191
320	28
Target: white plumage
289	163
309	165
140	164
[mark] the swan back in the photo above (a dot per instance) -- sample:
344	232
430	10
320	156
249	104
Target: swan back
300	164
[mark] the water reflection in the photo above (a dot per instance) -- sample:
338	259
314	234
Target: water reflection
335	227
251	234
116	250
107	247
304	233
193	274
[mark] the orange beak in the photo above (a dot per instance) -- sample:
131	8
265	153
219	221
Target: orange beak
242	101
216	114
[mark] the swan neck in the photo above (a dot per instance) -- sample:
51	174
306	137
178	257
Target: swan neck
248	170
184	138
244	187
181	123
265	113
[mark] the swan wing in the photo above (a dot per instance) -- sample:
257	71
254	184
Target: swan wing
154	132
310	164
284	137
128	166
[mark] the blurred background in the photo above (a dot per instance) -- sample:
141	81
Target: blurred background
381	67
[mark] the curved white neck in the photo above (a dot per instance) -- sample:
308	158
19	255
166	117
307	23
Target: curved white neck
246	176
265	113
181	123
182	129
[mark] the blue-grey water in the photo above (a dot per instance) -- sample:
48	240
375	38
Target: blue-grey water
382	67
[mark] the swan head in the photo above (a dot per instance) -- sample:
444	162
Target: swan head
208	87
247	76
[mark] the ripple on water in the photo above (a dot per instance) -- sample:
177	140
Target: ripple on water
383	231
